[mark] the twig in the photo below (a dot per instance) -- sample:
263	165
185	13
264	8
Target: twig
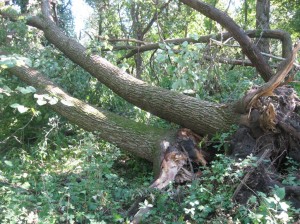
123	40
13	134
189	160
278	58
247	176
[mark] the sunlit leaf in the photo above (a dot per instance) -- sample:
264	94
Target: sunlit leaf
19	107
53	101
41	102
26	185
8	163
38	96
22	109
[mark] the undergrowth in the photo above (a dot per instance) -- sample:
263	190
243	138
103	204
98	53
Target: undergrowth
67	182
79	179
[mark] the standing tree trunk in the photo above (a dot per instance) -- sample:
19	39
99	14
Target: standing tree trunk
263	23
137	32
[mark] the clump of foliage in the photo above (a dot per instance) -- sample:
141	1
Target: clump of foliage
66	179
209	199
68	176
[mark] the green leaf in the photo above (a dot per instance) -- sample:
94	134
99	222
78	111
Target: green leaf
175	84
15	105
161	57
194	36
28	89
26	185
252	199
280	192
8	163
185	44
7	62
161	45
19	107
12	60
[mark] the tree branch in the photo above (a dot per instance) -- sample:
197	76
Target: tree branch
229	61
110	127
248	47
154	18
204	117
267	89
275	34
123	40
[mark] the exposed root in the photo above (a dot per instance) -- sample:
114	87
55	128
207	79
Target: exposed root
271	132
247	176
177	164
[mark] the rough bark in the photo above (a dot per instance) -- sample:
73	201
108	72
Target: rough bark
137	32
269	117
203	117
271	133
263	23
137	138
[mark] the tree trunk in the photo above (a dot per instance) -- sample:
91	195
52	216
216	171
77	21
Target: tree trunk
136	138
263	23
201	116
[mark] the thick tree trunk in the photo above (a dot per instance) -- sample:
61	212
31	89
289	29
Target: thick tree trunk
137	33
137	138
201	116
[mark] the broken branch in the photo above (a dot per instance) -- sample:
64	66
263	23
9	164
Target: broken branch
275	81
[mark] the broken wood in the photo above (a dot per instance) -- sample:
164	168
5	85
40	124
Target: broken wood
268	88
176	165
271	133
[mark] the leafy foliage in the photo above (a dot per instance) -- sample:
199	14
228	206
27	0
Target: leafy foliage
60	180
53	172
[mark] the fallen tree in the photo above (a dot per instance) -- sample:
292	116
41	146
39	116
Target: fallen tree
268	113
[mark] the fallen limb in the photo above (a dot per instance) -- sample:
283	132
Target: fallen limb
268	88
